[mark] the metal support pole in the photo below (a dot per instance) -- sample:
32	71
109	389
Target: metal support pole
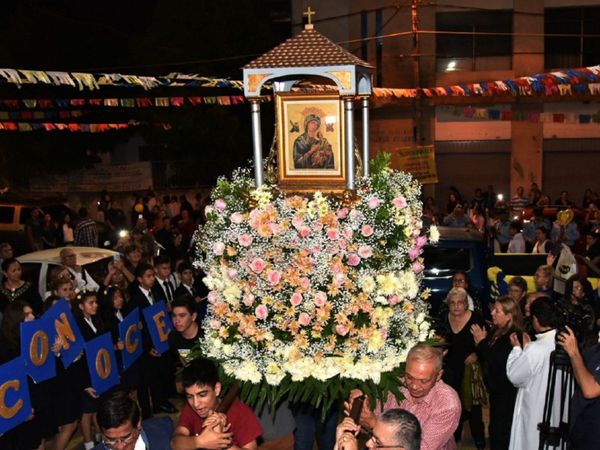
349	109
365	131
257	143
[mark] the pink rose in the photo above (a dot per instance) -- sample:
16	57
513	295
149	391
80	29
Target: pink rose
236	218
315	249
354	214
374	203
261	312
320	298
342	243
353	259
273	276
399	202
348	233
417	267
365	251
304	283
394	300
421	241
231	273
296	299
304	319
342	330
339	278
414	253
220	205
218	248
212	296
304	231
215	324
248	300
297	222
332	233
245	240
258	265
342	213
366	230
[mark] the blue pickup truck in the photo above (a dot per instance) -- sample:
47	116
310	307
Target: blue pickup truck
458	250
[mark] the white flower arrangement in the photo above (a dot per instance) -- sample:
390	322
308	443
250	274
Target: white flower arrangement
312	296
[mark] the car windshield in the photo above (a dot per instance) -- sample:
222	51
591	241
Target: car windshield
446	260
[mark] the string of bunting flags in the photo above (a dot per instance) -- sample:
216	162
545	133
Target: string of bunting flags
544	117
585	80
94	81
74	127
139	102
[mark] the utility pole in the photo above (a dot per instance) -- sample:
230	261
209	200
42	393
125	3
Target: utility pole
416	69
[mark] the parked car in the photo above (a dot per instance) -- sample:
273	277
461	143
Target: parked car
38	266
13	218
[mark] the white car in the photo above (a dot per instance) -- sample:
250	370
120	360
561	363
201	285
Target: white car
38	265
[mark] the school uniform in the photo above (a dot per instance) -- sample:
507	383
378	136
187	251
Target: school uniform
155	372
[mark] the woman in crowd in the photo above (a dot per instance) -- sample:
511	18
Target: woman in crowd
493	347
577	306
86	313
477	218
113	309
67	411
460	362
543	280
31	433
68	231
49	232
117	275
517	290
461	279
15	288
542	242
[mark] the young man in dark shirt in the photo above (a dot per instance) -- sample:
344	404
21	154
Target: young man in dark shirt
186	332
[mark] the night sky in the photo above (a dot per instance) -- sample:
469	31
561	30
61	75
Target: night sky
142	37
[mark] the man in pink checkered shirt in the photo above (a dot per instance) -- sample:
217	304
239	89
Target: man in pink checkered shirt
432	401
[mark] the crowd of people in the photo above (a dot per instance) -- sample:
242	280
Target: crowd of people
168	222
523	223
502	364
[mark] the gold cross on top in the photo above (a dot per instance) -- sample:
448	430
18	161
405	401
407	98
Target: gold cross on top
309	13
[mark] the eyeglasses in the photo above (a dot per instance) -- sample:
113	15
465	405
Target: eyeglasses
377	442
112	443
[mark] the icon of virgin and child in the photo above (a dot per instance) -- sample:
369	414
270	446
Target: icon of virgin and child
311	148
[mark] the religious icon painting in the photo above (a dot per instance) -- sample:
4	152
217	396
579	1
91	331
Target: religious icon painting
311	153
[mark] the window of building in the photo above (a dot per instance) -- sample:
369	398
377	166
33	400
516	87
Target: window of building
574	51
461	51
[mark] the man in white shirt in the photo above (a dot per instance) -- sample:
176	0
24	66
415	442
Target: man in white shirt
517	241
78	274
528	370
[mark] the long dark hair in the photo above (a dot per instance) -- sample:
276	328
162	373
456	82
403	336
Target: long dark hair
11	321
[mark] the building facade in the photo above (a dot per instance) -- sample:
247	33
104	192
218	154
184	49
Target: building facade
421	44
